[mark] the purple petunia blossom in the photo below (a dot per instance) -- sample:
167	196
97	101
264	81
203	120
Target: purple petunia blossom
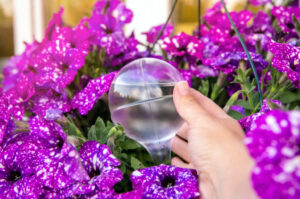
130	53
106	25
259	2
19	158
86	98
4	118
101	165
135	194
260	31
115	8
274	144
57	63
152	34
183	45
286	59
61	162
50	104
227	62
248	122
55	23
239	109
166	182
284	17
108	33
19	96
219	30
60	170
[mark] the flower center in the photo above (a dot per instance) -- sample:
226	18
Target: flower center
94	173
73	45
168	181
109	31
290	25
60	143
14	176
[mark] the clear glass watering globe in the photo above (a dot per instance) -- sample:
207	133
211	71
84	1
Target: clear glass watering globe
141	100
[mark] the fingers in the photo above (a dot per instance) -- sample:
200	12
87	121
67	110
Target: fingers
187	106
180	147
183	131
209	105
179	163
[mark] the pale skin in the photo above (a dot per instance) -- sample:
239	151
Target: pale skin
211	142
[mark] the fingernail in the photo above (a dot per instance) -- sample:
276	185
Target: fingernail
183	88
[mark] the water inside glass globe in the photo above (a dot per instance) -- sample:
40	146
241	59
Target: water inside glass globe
141	100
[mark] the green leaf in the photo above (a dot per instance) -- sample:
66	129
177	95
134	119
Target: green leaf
129	144
204	87
100	131
135	163
236	115
255	98
72	130
92	133
297	24
289	97
243	104
231	101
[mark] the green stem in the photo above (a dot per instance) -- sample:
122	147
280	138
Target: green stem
246	51
251	102
220	83
163	28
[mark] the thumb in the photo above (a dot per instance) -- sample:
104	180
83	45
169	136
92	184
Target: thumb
187	106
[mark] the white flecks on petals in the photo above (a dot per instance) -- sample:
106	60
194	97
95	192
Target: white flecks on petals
271	121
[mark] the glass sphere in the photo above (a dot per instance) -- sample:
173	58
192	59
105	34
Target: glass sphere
141	100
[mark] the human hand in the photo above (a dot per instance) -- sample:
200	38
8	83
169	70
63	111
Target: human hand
211	142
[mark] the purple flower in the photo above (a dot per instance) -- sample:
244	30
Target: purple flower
57	63
18	65
274	144
135	194
187	75
248	123
284	17
60	170
4	118
219	29
152	34
19	158
286	59
239	109
108	33
106	25
61	162
19	96
50	104
260	31
166	182
101	165
78	37
130	53
115	8
227	62
55	22
86	98
183	45
259	2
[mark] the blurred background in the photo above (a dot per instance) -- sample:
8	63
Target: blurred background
23	20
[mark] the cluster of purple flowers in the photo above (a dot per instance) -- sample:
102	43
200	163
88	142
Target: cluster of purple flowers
42	164
53	78
274	143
